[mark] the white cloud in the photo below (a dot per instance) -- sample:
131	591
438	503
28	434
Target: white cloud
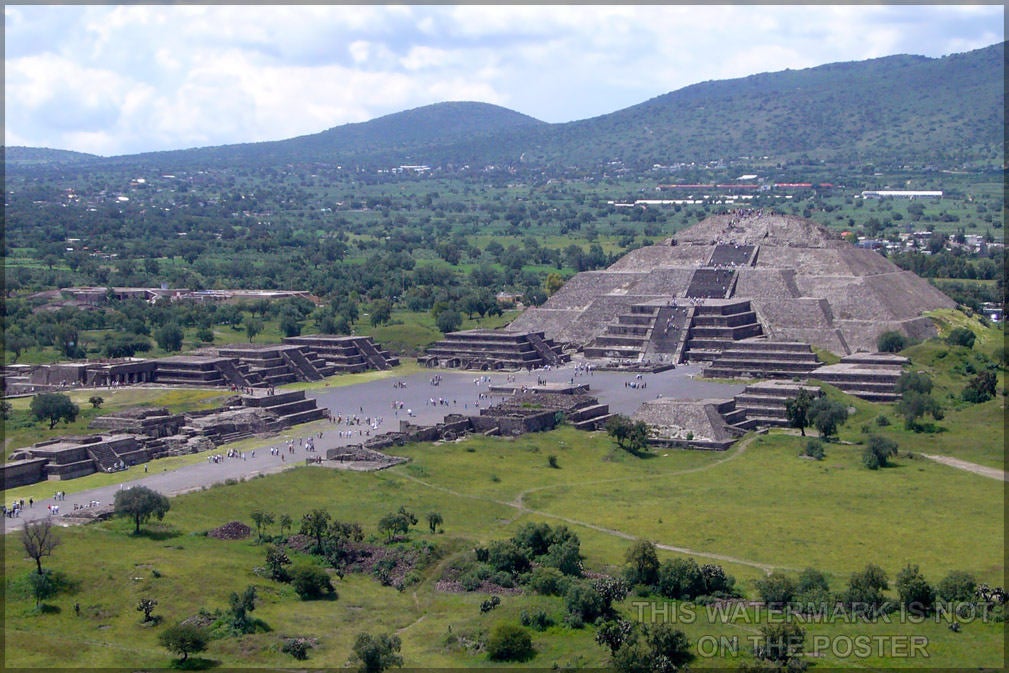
131	78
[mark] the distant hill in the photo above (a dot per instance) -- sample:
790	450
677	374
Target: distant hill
43	155
947	111
402	137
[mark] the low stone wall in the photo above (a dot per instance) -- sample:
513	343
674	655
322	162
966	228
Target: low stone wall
22	472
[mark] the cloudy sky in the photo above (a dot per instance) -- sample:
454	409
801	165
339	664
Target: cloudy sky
134	78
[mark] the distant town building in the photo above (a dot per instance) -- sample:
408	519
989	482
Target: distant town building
901	194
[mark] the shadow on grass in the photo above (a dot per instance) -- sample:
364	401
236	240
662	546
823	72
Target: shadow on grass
157	533
194	664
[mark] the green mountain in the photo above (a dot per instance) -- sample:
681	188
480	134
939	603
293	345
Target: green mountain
897	110
30	156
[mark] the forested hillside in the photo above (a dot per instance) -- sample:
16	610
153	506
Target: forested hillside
898	110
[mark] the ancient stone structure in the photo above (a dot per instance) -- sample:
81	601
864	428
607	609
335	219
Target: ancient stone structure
732	277
142	434
309	358
493	350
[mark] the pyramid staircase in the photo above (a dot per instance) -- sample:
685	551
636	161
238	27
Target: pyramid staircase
714	326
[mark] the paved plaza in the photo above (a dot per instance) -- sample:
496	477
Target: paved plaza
376	407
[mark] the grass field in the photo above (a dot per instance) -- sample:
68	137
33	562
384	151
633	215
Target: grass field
761	504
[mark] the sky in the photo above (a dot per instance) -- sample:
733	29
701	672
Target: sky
124	79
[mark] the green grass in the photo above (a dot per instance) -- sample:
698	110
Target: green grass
764	504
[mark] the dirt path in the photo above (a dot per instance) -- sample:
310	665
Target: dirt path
984	471
518	505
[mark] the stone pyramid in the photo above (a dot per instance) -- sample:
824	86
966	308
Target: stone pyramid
801	280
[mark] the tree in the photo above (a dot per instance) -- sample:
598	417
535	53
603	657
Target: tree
981	388
584	604
864	595
510	642
147	605
39	539
916	594
290	321
315	524
913	405
262	520
311	582
654	648
184	639
375	654
919	382
17	342
613	633
642	564
797	410
681	578
54	407
878	451
285	523
169	337
956	587
782	645
276	560
776	590
448	320
891	342
141	503
240	605
253	326
826	415
632	436
96	401
434	520
381	312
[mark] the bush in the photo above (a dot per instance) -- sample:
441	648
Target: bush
981	388
878	452
882	421
538	620
296	647
891	342
548	581
916	594
956	587
184	639
509	642
489	604
584	604
776	590
961	336
681	579
814	449
311	581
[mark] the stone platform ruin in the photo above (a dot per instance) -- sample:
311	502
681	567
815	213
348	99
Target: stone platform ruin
141	434
494	350
304	358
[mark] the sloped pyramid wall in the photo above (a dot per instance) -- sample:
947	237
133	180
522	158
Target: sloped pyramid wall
805	284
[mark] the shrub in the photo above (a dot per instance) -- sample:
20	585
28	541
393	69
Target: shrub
956	587
538	620
981	388
509	642
552	462
184	639
961	336
489	604
681	579
548	581
776	590
814	449
882	421
916	594
878	452
296	647
891	342
311	581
